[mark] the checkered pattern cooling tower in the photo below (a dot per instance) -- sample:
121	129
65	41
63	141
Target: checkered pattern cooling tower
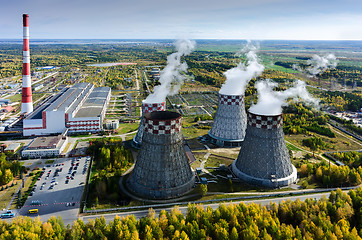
162	169
146	108
264	159
229	125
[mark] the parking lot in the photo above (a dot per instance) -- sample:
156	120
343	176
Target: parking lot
59	190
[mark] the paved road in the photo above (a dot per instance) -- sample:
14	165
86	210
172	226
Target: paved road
183	209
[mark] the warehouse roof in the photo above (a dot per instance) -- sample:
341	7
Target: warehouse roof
44	142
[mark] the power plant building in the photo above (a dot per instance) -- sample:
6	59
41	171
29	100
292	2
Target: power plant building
80	108
264	158
228	129
162	169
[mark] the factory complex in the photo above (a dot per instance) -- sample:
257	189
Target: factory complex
80	108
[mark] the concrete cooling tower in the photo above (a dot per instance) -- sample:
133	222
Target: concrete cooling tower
162	169
264	159
228	129
146	108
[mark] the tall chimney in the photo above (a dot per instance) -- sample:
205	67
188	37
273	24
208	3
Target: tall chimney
228	129
162	169
264	159
146	108
26	99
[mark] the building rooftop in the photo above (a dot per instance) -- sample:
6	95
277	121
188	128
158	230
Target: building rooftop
71	107
89	112
12	147
45	142
94	104
69	96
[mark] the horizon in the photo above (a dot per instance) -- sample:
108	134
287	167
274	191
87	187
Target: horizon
212	19
172	39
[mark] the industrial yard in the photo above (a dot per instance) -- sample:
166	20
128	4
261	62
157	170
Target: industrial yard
103	147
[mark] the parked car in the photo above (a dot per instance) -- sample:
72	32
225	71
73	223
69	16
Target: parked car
8	214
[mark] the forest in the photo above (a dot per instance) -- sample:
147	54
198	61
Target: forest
337	217
301	119
8	169
330	175
111	159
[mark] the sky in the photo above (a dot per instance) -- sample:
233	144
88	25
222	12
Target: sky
195	19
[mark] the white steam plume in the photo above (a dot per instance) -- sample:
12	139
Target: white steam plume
320	64
270	102
238	77
172	76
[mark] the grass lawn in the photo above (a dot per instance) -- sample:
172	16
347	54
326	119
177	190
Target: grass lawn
67	147
15	98
196	164
127	127
29	183
193	132
292	147
341	142
7	194
215	161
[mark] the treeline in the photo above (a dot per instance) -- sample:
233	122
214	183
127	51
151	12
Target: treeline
330	175
336	217
299	119
315	143
110	161
347	124
352	159
345	74
342	101
8	169
110	155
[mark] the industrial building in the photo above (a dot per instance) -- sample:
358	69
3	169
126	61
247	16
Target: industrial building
228	129
264	159
45	147
114	124
13	147
162	169
80	108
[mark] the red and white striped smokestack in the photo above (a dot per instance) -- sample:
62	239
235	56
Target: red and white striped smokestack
26	99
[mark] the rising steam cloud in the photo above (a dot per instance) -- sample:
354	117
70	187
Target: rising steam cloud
238	77
319	64
270	102
172	77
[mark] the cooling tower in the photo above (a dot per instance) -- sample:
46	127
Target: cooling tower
264	158
162	169
146	108
228	129
26	96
